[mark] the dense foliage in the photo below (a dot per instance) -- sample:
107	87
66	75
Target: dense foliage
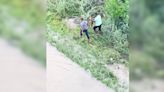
146	38
74	7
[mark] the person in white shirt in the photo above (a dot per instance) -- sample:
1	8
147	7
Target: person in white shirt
98	22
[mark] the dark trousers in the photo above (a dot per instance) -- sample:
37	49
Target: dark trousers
86	33
95	27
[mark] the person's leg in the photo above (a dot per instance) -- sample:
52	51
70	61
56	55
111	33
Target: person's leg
94	28
100	28
81	33
87	34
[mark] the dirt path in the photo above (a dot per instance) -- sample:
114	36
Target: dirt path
65	76
19	73
70	23
121	72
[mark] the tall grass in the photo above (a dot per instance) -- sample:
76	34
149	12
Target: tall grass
82	57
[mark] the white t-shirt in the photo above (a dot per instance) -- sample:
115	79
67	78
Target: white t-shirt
98	20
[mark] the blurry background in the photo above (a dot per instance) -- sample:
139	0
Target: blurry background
22	46
22	23
146	45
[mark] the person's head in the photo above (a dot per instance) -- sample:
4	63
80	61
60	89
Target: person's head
81	18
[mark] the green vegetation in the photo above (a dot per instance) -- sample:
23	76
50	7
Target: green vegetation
104	49
22	24
146	38
146	43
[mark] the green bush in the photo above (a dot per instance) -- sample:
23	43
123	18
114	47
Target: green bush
118	11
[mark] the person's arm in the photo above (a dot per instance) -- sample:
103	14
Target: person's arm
94	19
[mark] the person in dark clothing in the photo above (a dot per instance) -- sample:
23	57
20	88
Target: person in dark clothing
95	27
84	28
